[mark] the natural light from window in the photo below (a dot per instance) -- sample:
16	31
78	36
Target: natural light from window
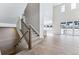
63	8
73	6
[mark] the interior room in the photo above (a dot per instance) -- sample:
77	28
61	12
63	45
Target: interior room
39	28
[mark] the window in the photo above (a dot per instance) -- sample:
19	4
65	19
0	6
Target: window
73	6
63	8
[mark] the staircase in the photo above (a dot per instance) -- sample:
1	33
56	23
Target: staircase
27	33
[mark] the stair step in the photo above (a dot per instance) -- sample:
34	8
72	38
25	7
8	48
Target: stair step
28	52
36	42
23	52
9	51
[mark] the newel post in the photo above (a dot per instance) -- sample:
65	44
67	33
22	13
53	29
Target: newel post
30	38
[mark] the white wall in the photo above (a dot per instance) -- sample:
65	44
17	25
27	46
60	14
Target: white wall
56	20
46	14
71	15
9	12
32	15
68	15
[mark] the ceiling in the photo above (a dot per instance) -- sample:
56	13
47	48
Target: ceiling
55	4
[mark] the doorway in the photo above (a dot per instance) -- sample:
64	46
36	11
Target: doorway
48	27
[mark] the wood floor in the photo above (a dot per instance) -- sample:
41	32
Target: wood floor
55	45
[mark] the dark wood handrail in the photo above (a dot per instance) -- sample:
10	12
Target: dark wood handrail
30	27
24	24
34	30
30	39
